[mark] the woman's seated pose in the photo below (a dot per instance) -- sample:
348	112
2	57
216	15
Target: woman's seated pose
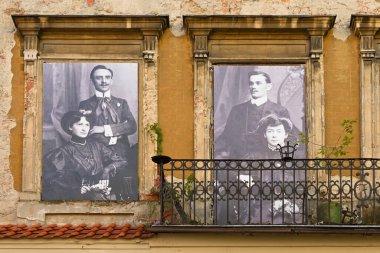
80	169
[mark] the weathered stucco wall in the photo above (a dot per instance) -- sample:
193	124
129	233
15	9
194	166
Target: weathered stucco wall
342	89
175	77
176	95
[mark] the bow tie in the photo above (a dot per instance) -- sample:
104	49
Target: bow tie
106	109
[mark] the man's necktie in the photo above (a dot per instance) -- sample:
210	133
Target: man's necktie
107	111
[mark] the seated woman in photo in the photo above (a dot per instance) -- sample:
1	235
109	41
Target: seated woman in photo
275	199
81	168
284	204
271	132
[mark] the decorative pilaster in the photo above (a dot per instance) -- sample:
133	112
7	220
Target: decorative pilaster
316	119
150	108
368	95
367	49
202	99
365	27
200	47
30	171
149	52
316	47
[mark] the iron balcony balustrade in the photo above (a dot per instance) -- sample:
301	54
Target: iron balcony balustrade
341	195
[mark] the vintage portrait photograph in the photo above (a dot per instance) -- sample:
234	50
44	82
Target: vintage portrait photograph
257	108
90	131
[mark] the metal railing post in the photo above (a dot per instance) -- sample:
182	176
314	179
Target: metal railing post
160	160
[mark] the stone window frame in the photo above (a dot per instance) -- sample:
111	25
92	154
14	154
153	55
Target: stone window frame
130	39
208	34
366	28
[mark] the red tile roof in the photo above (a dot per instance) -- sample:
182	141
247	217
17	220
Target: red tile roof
82	231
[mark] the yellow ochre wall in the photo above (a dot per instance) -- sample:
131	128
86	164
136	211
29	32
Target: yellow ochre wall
176	95
342	89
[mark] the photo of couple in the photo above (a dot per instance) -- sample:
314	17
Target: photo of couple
90	135
257	109
253	114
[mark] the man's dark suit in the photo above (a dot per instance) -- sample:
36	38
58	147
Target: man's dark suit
236	140
125	125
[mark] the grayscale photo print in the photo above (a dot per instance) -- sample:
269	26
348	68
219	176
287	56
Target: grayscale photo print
257	108
90	131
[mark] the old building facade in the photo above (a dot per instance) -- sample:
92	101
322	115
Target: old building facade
176	46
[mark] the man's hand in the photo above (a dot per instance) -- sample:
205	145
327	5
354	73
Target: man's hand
97	130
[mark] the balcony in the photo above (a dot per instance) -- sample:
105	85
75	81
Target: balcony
298	195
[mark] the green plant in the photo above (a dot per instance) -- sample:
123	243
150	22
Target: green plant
342	143
155	133
189	185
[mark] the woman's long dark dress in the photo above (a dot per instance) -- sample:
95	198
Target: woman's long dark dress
67	168
273	198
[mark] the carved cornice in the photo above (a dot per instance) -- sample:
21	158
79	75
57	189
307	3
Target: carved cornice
365	27
195	24
146	28
199	27
152	24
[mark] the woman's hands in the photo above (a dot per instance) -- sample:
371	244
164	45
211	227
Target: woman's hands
102	186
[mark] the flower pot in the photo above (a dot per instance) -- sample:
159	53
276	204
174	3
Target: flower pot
152	197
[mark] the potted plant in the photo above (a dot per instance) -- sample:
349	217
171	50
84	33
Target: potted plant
329	211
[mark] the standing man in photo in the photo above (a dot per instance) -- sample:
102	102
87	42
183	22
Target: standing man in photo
113	123
238	136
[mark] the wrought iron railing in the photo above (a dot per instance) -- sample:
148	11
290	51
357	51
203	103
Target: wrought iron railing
258	193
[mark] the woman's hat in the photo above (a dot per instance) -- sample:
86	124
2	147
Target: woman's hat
274	120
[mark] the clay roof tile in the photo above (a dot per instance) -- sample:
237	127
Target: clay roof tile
97	231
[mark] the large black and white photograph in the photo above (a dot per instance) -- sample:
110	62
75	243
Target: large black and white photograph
90	131
257	110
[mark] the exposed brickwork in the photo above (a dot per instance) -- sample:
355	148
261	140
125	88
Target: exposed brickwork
82	231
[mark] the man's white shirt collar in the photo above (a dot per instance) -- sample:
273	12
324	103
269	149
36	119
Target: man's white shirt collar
259	101
106	94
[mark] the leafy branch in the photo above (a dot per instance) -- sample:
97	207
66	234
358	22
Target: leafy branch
189	185
341	145
155	134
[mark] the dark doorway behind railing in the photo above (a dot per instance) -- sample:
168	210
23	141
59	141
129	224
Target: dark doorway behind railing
276	193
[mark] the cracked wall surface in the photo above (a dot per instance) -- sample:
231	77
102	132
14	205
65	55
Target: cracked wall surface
178	140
